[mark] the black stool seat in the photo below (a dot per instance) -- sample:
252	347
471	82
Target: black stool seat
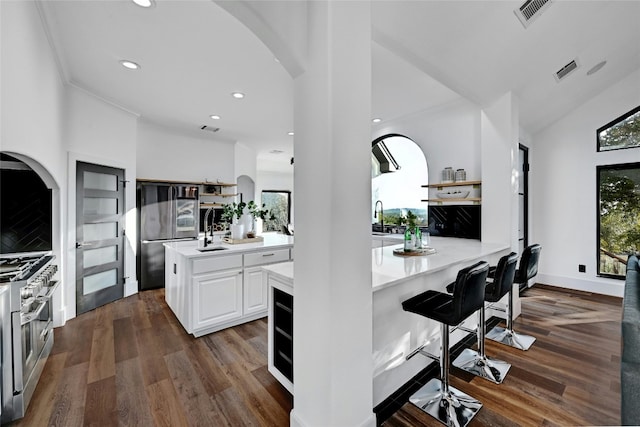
467	297
477	362
501	278
528	267
447	404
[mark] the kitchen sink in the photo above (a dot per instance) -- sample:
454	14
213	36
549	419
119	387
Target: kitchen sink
212	248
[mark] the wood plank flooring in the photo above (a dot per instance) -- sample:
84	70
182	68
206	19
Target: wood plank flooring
569	377
131	363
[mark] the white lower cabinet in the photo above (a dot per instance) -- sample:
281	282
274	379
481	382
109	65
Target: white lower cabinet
217	298
210	293
255	291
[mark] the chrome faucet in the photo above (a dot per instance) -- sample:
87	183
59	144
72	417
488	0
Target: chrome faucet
375	213
206	227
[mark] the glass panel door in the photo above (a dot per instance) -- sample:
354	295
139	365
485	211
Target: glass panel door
99	236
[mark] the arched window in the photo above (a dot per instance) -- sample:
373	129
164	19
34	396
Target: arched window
398	170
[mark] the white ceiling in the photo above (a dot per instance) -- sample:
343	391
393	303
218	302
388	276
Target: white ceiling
193	54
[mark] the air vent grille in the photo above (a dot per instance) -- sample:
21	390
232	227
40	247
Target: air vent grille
530	10
209	128
566	70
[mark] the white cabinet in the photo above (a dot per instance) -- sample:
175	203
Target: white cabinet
255	291
217	298
217	291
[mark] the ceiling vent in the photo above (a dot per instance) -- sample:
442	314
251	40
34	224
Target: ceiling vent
209	128
530	10
566	70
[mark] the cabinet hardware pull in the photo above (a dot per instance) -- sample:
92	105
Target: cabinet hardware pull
271	254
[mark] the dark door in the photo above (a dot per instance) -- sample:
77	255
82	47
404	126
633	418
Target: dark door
523	199
99	235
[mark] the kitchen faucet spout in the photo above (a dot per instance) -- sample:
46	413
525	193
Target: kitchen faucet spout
375	213
206	227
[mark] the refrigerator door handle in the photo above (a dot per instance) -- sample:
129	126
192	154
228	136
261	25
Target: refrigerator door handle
186	239
173	215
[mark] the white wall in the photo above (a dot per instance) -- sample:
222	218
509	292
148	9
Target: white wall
100	133
163	153
244	160
32	105
448	136
32	111
563	193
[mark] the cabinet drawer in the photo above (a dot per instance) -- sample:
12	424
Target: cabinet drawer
266	257
213	263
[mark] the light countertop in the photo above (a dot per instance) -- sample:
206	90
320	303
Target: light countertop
388	269
189	248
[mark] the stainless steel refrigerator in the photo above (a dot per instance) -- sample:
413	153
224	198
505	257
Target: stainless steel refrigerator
168	212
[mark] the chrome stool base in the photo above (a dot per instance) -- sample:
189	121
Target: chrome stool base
511	338
485	367
452	408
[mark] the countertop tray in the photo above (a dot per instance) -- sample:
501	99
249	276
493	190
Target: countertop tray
231	241
416	252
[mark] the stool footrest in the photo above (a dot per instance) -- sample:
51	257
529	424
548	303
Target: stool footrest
452	407
422	352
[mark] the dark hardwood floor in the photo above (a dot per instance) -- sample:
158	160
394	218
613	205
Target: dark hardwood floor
569	377
131	363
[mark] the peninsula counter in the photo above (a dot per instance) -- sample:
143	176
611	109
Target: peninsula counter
396	333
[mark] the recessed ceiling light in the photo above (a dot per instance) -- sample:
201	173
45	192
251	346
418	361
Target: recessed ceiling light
215	117
596	68
130	65
237	95
376	120
144	3
290	133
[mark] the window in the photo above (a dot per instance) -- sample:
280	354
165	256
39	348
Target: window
623	132
398	169
279	205
618	217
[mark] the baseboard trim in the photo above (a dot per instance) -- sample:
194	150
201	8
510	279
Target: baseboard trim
295	421
605	286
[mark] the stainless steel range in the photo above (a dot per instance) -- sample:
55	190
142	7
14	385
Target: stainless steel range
32	281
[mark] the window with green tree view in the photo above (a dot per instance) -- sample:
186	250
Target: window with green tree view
279	205
619	217
623	132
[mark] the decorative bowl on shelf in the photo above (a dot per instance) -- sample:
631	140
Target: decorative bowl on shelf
453	194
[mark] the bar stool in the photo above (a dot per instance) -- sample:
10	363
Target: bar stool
443	402
477	362
527	269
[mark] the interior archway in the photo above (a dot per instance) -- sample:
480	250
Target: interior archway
398	170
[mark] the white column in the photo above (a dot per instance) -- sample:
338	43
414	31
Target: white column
499	142
332	273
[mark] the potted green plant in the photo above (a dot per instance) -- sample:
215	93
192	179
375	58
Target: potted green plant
258	212
412	235
231	213
411	220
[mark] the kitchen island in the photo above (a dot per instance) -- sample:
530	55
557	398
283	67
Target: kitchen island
220	286
396	333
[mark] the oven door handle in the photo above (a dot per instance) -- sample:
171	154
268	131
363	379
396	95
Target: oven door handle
46	330
29	317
